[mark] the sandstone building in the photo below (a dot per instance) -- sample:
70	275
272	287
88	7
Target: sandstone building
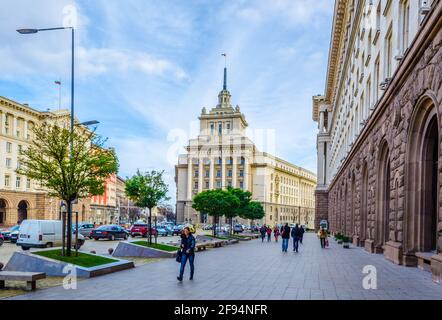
222	156
20	197
379	154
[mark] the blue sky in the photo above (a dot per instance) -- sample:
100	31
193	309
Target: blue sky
146	68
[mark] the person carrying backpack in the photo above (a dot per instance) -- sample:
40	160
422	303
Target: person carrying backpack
269	234
285	235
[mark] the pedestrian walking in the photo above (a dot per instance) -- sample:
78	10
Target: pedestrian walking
302	234
276	233
322	234
263	231
269	234
285	235
187	253
296	235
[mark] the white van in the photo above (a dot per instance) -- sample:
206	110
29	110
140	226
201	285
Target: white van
43	234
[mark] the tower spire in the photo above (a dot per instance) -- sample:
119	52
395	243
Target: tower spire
225	71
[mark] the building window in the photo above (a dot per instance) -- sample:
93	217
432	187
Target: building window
243	161
207	173
229	184
376	80
8	162
228	126
241	185
28	183
218	173
207	185
389	54
17	182
7	180
8	147
218	184
229	173
220	128
405	25
212	128
196	185
241	173
196	173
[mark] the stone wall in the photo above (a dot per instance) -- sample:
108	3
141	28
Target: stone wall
391	126
321	210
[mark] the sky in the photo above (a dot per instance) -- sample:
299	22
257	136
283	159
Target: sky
146	68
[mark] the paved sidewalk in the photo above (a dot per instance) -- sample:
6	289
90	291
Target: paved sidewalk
255	270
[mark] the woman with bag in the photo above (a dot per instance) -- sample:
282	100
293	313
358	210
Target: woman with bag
322	234
187	253
276	233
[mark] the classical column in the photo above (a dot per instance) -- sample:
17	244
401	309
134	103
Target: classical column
200	174
321	121
25	130
234	172
2	124
212	173
189	178
246	174
223	172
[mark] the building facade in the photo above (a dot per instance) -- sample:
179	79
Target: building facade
223	156
379	155
104	208
20	197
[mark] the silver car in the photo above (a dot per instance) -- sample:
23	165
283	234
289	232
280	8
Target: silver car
84	228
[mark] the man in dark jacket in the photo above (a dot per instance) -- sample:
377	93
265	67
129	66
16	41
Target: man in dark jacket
263	231
285	235
296	235
302	234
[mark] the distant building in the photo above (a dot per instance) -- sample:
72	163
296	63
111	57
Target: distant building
379	145
20	197
223	156
104	207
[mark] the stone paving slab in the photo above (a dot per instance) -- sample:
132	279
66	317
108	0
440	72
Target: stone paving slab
255	270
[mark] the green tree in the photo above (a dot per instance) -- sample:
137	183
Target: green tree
244	198
215	203
64	174
253	211
147	191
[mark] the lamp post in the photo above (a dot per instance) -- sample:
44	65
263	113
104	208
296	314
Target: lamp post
69	204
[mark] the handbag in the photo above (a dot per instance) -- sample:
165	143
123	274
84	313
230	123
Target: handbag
179	256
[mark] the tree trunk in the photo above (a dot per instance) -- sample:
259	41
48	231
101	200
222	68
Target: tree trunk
149	225
69	229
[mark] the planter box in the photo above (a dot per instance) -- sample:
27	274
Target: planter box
346	245
29	262
340	242
130	249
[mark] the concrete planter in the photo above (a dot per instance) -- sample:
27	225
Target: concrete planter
346	245
130	249
29	262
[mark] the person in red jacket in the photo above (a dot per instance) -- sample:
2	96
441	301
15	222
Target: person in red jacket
276	233
269	234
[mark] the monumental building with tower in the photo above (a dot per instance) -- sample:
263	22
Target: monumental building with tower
223	156
379	120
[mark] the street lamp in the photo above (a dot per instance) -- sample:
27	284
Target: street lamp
32	31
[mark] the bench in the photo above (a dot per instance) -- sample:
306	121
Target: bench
29	277
424	260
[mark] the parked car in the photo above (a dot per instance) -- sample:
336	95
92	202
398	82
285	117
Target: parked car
11	234
177	229
141	229
163	231
238	228
43	234
85	229
2	239
109	232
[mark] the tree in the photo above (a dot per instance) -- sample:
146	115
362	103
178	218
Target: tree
253	211
147	190
64	174
215	203
244	198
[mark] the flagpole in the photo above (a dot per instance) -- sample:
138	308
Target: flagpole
59	95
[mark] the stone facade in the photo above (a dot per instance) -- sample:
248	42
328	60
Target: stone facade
223	156
21	198
386	191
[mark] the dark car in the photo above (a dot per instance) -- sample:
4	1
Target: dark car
110	232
